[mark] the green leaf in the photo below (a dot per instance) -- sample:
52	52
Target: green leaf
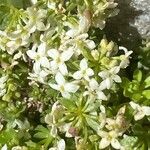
69	104
17	3
129	142
136	96
137	75
125	82
92	123
146	93
85	52
147	82
43	134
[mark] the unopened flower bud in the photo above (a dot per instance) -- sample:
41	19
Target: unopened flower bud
110	46
95	54
103	43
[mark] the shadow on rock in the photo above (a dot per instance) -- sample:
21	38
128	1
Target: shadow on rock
119	28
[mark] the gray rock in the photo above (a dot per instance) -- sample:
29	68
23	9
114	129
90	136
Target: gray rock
142	21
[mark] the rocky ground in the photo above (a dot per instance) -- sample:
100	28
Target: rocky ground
131	24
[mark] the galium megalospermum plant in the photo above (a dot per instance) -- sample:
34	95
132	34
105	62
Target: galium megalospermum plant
63	86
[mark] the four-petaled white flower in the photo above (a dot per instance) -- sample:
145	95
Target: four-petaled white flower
16	39
78	28
2	85
64	87
109	76
140	111
84	71
125	58
94	91
39	56
36	19
39	75
60	145
59	60
109	138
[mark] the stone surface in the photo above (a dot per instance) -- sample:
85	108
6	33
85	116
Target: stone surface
131	25
142	21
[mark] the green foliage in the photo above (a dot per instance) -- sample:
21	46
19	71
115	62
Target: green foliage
137	89
43	135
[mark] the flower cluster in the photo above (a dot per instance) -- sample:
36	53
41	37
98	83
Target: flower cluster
60	71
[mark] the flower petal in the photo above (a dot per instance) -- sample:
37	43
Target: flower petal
65	94
40	26
44	62
53	53
72	33
101	95
54	86
77	75
104	74
109	83
90	44
4	147
139	115
93	84
134	105
31	54
70	87
115	144
54	131
63	69
42	49
61	145
146	110
37	67
89	72
83	64
116	78
104	143
66	55
103	85
49	119
59	78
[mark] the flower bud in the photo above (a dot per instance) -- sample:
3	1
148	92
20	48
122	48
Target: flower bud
95	54
104	43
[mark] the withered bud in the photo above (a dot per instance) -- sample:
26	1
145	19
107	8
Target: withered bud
73	131
88	15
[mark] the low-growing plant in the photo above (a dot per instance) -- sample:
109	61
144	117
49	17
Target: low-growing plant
63	85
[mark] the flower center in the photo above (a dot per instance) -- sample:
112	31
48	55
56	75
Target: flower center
62	89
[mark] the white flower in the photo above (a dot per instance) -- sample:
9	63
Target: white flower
125	58
39	75
4	147
109	76
60	145
109	138
17	148
94	91
64	87
36	19
51	5
40	57
16	39
52	118
74	43
2	85
140	111
84	71
59	59
78	27
33	1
